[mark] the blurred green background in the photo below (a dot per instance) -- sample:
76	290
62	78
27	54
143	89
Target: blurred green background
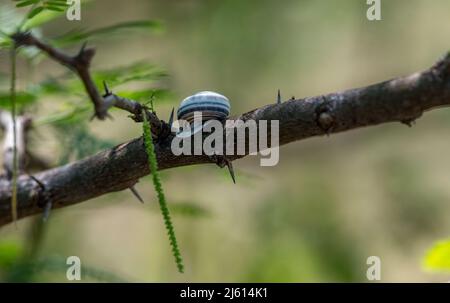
329	204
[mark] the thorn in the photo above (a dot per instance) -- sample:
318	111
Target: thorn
83	47
409	122
221	161
136	194
100	116
48	205
231	170
41	185
109	116
279	97
47	209
107	91
171	118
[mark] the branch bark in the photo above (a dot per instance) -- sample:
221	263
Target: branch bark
399	100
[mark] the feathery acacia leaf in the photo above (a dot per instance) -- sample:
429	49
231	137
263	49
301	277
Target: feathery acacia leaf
27	3
78	142
143	95
35	12
78	36
23	99
189	209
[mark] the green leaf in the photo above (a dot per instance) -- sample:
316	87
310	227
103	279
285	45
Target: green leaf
45	16
22	99
34	12
138	71
160	94
189	210
10	17
52	87
54	8
71	116
75	138
438	257
41	18
57	3
10	251
81	35
27	3
5	42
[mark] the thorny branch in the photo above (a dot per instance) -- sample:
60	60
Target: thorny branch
80	64
399	100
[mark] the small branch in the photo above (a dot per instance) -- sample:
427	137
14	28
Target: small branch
398	100
160	129
80	64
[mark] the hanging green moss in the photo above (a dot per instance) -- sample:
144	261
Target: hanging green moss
153	163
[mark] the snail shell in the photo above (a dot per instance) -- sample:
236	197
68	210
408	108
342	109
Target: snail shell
212	106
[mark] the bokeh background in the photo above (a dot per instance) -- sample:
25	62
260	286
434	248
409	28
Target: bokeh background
329	204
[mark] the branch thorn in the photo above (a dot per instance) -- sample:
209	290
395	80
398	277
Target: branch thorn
107	90
231	170
221	161
47	198
409	122
136	194
83	47
109	116
171	118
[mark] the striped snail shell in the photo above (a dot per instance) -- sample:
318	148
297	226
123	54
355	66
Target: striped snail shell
213	106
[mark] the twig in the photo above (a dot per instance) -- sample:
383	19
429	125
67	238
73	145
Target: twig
80	64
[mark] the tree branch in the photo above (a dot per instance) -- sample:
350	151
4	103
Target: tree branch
80	64
402	100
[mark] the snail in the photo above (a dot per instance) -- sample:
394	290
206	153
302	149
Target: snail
212	106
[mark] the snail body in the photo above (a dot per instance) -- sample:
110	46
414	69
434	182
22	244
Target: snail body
211	105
